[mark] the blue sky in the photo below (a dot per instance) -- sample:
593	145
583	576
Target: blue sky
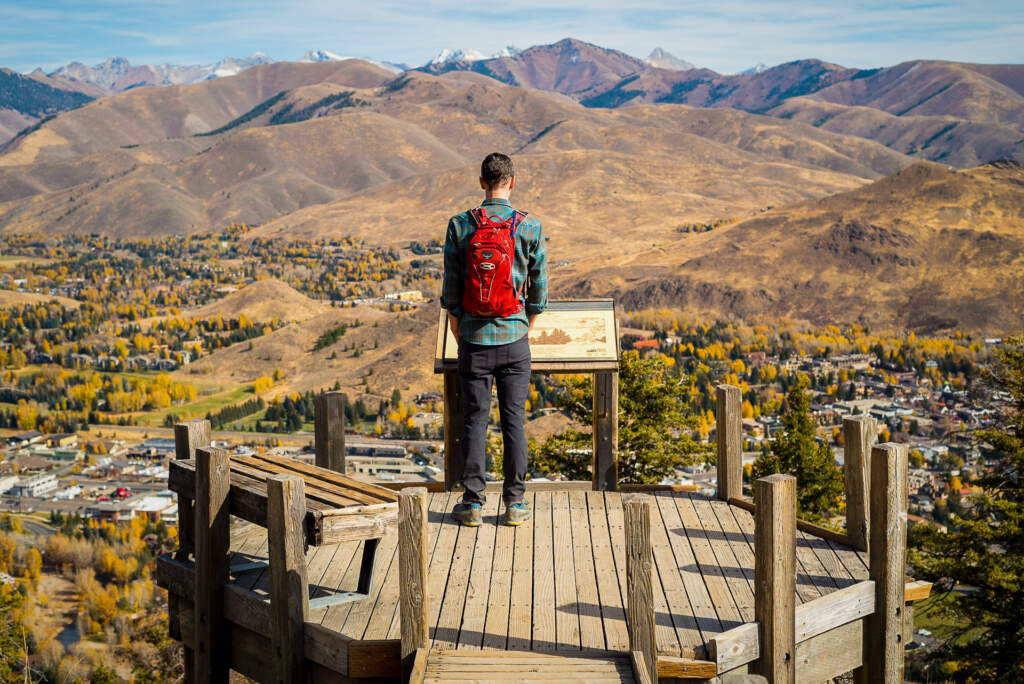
725	35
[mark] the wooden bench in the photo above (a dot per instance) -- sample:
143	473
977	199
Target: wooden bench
338	508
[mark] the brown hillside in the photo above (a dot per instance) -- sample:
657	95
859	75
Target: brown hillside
934	88
262	300
399	359
945	139
13	298
927	248
358	161
150	114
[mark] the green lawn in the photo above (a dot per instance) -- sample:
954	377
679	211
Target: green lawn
210	403
927	615
16	259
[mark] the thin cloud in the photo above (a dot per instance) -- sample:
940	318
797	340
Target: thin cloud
728	35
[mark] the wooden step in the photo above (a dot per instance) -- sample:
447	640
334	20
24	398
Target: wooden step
473	666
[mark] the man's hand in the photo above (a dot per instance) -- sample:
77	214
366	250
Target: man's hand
531	319
453	325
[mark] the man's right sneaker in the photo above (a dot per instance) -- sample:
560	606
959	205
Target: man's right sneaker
468	514
517	513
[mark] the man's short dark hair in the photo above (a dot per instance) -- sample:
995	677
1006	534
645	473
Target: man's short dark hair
497	169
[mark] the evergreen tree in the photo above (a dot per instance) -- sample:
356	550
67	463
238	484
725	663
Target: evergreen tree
654	424
984	549
795	451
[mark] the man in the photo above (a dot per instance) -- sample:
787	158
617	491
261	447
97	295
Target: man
492	297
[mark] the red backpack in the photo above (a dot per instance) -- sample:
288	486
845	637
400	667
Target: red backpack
488	289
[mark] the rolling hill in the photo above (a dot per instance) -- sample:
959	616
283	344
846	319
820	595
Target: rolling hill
325	157
927	248
262	300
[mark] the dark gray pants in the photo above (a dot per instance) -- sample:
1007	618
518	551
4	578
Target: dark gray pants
508	365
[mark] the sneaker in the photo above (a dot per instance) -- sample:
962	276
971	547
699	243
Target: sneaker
467	513
517	513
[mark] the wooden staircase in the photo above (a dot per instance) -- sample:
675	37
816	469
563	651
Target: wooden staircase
471	666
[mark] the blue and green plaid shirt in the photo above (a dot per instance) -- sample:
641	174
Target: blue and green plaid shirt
530	265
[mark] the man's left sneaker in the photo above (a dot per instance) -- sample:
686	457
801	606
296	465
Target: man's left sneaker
517	513
468	514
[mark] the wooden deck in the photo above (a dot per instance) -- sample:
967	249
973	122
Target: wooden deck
558	584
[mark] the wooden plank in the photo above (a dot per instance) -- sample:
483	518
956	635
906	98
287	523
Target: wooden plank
419	667
319	497
358	618
610	600
344	484
441	565
639	586
858	438
329	430
743	552
374	658
695	519
729	441
289	589
888	567
478	588
917	590
453	604
521	604
685	668
567	617
830	654
605	466
775	576
321	484
705	623
669	591
831	563
587	597
543	575
496	624
812	580
212	544
454	463
835	609
412	565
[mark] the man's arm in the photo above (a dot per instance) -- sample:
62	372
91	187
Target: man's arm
537	293
451	287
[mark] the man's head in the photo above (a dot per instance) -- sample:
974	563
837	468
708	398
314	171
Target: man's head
497	173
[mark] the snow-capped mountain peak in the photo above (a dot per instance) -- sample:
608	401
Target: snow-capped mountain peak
665	60
470	55
761	66
321	56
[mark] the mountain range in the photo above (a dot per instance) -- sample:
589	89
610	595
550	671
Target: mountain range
805	190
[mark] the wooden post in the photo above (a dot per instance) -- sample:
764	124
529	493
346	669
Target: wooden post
606	430
775	577
289	590
858	438
188	437
639	587
729	436
453	428
212	541
883	637
412	573
329	430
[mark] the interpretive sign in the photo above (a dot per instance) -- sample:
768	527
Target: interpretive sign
569	335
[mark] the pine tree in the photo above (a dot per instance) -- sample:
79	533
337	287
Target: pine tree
984	550
819	481
655	422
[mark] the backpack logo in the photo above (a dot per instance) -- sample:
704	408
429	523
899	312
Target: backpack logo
488	289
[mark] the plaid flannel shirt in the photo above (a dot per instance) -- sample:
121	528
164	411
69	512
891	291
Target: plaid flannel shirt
529	266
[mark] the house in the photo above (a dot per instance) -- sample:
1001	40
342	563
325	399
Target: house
24	438
110	511
7	482
32	463
36	485
64	440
